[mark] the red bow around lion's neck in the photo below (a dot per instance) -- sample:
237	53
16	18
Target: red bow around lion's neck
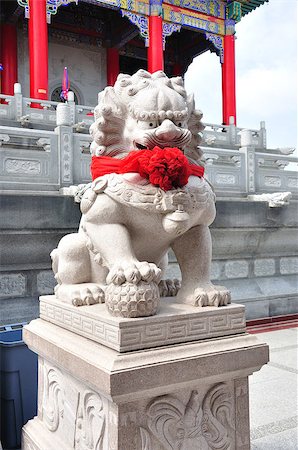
167	168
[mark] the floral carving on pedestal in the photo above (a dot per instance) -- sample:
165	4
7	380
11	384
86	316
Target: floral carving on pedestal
90	422
53	398
198	425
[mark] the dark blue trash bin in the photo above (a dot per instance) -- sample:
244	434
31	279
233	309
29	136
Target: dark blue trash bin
18	376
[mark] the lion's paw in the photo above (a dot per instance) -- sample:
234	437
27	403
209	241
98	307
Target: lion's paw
169	288
212	296
134	273
80	294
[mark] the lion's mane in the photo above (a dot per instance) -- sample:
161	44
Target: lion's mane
116	104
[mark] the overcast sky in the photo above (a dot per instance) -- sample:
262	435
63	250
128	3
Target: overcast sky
266	74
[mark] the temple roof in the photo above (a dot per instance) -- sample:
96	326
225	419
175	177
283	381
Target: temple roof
249	5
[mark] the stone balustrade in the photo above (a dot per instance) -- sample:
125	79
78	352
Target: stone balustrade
46	148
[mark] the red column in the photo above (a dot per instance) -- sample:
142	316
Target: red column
155	49
38	49
112	65
9	58
228	80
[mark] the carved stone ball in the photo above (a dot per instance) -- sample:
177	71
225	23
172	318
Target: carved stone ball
132	300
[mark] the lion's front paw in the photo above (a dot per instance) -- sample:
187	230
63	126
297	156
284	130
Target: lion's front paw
80	294
211	296
134	273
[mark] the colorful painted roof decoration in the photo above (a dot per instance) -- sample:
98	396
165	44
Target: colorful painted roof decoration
249	5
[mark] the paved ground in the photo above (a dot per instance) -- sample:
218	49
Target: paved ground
274	392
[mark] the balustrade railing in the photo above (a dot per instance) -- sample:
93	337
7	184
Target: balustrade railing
237	161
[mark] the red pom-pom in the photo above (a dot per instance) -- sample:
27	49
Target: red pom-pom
167	168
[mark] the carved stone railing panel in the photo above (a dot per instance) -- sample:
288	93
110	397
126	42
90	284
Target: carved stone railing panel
45	114
29	160
82	158
84	114
230	136
271	175
7	107
225	170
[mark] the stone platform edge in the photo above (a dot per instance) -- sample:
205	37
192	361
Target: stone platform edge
175	323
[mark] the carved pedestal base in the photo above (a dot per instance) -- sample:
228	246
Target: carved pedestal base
190	396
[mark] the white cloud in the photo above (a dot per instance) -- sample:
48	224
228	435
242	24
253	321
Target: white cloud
266	74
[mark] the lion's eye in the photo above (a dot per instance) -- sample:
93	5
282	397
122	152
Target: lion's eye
151	124
179	124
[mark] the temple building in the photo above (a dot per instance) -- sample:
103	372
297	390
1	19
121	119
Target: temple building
45	156
98	39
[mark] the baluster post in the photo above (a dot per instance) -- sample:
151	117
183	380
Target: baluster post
18	98
65	143
250	161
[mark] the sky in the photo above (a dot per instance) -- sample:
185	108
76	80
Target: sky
266	74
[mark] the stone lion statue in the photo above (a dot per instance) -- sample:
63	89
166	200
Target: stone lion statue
148	195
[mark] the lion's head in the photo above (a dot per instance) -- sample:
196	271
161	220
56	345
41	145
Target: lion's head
143	111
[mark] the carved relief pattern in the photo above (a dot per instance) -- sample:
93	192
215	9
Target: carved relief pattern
45	282
53	398
12	285
4	138
293	182
242	414
206	424
90	422
236	269
273	181
22	166
251	171
136	337
145	439
225	178
66	163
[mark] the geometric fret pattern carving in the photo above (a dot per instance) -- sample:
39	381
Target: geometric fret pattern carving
160	331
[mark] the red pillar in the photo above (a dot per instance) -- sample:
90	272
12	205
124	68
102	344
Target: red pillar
155	49
9	58
38	49
112	65
228	80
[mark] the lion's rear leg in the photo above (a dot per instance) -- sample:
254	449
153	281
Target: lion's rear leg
71	265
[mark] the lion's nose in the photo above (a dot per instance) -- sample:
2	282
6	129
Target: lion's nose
167	131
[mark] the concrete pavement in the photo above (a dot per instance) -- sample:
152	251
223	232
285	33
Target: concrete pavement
274	392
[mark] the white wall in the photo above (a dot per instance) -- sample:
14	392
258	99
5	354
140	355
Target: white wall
86	68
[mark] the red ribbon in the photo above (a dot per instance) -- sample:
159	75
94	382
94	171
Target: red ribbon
167	168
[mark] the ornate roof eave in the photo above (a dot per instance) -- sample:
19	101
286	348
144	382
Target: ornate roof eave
248	6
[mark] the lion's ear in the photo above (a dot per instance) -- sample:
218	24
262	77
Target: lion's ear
109	103
190	103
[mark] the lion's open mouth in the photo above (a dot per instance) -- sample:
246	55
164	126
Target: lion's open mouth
141	146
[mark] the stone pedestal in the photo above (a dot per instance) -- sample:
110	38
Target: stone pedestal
177	380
